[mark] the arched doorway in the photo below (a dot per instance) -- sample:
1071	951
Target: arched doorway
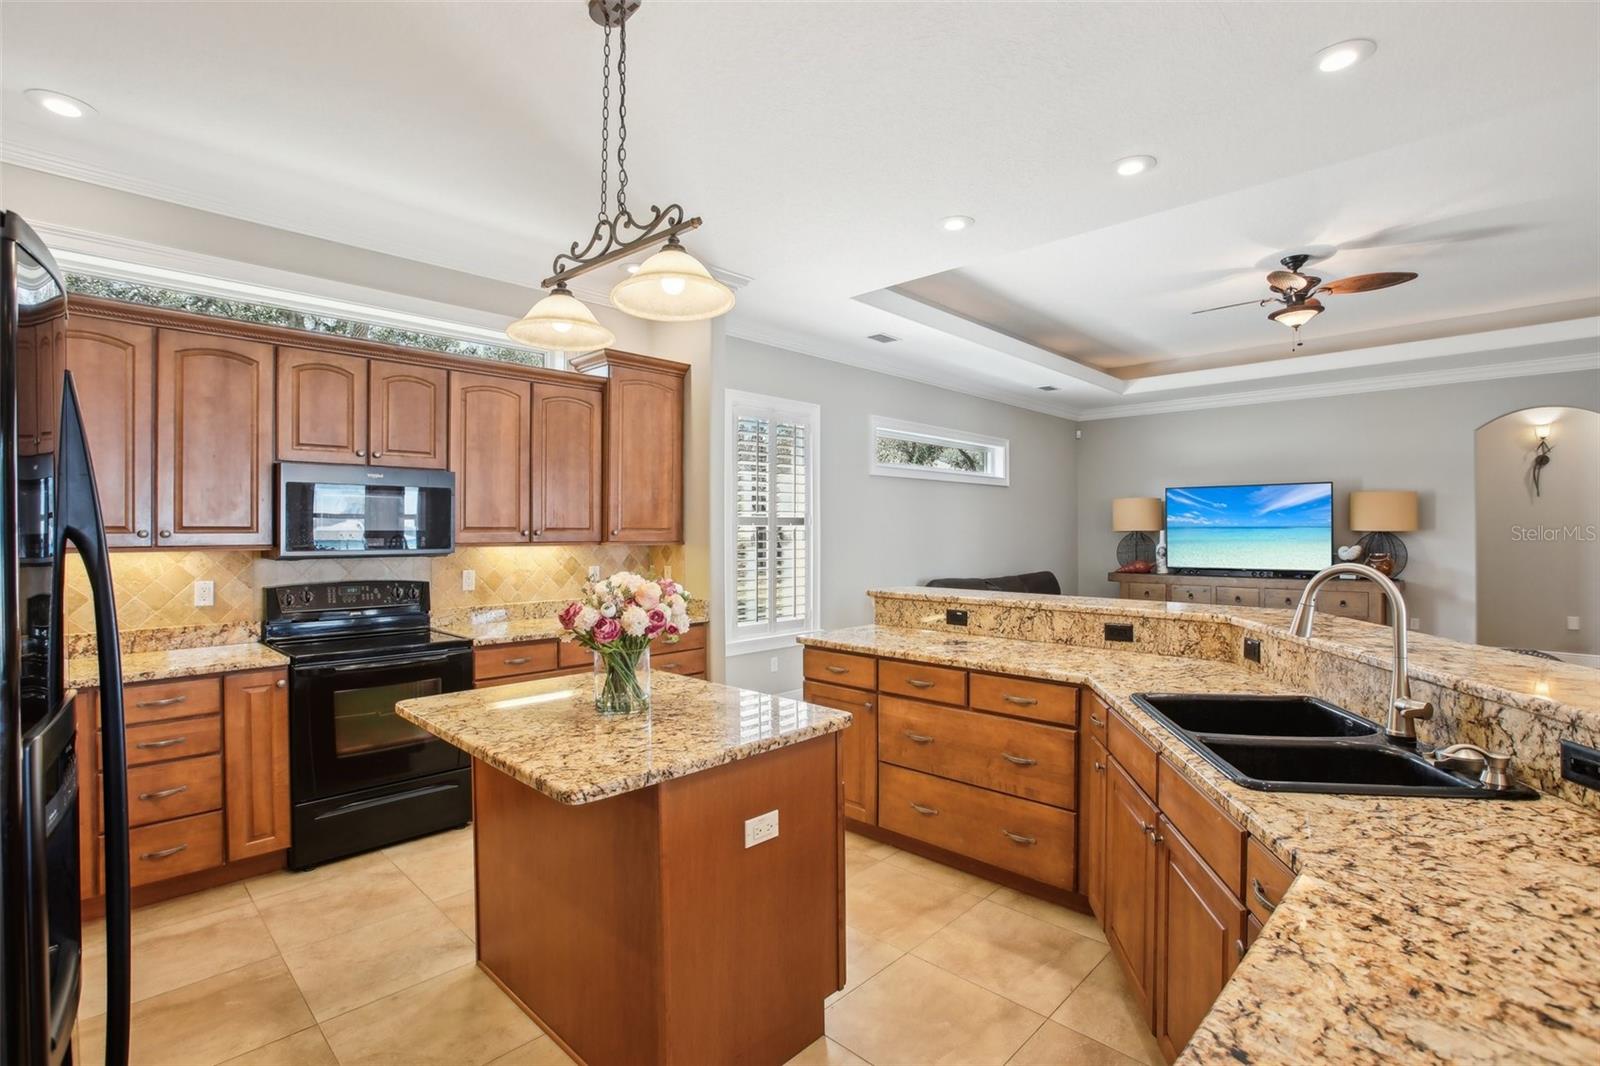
1538	532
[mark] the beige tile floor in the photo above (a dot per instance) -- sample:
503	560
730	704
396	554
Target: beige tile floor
370	960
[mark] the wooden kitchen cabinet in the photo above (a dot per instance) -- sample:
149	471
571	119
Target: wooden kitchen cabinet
1093	779
859	746
1130	882
567	499
213	470
255	740
408	410
490	454
322	407
643	446
113	367
1200	938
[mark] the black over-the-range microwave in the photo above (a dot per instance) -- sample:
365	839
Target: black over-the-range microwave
333	509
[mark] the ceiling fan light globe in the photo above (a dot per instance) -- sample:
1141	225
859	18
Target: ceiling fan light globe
1298	315
672	286
561	322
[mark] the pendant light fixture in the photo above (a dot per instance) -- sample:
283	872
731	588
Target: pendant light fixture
670	286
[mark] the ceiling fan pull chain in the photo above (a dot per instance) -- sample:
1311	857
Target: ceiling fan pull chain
605	126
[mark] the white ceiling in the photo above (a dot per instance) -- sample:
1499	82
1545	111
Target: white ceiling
823	142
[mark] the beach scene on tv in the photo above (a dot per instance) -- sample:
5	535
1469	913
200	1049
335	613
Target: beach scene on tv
1250	527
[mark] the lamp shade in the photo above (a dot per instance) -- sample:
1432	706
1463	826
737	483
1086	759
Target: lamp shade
672	286
562	322
1136	514
1383	511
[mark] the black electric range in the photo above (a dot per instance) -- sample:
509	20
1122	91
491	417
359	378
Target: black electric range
362	777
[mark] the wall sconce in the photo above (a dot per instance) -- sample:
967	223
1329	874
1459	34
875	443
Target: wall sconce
1541	457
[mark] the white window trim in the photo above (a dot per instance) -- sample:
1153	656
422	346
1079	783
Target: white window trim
798	410
938	435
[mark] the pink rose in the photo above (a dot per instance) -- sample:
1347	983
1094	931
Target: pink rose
657	621
606	630
668	587
569	614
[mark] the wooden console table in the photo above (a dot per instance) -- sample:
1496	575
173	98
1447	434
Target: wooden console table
1351	599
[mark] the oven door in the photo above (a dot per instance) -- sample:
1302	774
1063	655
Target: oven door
346	735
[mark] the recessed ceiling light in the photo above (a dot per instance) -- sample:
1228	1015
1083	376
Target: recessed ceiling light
1135	164
1345	54
59	103
882	338
956	223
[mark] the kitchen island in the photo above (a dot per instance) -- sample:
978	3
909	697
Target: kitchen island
620	900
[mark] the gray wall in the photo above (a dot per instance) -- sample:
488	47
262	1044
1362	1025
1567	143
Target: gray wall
1404	439
897	531
1538	559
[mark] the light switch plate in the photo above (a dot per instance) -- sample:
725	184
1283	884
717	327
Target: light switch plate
760	829
594	573
205	593
1573	623
469	580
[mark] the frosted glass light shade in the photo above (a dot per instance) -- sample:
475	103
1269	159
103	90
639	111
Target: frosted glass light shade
1136	514
1383	511
1299	315
561	322
672	286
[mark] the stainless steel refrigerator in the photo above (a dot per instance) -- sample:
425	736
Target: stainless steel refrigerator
49	509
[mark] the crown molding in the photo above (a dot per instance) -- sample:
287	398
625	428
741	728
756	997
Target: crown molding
1561	364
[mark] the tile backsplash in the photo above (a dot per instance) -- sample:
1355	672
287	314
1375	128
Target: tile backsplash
155	590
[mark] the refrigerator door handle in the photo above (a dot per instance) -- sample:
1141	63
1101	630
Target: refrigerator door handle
80	524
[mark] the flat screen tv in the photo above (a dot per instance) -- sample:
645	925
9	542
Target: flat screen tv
1269	529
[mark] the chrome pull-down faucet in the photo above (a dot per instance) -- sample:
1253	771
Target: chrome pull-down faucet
1404	712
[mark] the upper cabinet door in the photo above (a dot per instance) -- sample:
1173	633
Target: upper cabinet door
322	407
567	433
644	455
213	440
409	409
489	452
113	368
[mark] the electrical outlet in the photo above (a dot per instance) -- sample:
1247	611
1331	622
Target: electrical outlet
760	829
1573	623
1119	632
1252	649
205	593
469	580
774	664
594	573
1414	622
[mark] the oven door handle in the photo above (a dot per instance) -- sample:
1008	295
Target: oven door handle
373	664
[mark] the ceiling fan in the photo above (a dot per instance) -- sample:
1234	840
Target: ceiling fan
1298	292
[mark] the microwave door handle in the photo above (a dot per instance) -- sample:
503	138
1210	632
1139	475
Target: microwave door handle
80	523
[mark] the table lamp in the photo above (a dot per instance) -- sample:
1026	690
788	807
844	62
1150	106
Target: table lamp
1137	516
1380	514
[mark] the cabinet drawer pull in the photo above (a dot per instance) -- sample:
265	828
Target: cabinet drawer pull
518	661
164	793
1261	896
926	812
168	702
1238	945
1018	838
1022	701
1018	760
838	669
917	682
918	738
866	705
1098	723
152	745
164	853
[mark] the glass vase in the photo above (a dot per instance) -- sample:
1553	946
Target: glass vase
622	681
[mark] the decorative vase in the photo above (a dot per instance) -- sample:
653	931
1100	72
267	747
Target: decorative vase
622	681
1161	552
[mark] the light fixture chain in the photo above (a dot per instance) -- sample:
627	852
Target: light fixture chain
622	112
605	126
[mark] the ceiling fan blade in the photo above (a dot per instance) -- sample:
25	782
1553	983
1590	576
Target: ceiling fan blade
1224	307
1365	283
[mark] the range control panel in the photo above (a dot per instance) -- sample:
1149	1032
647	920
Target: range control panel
345	596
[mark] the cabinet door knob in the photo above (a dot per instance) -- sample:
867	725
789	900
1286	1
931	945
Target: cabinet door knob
166	533
615	532
1099	767
361	451
524	532
538	532
377	455
141	533
283	682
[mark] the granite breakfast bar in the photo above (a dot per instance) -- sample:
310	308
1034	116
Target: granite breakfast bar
591	830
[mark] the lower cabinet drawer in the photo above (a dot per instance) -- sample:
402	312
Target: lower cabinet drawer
168	790
153	701
1280	598
1027	838
1353	604
1238	597
171	849
681	662
1190	594
509	660
1037	762
1144	590
161	741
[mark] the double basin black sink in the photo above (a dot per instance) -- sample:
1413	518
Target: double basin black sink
1301	744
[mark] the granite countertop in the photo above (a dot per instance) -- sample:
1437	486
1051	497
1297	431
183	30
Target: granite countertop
84	671
548	735
513	630
1418	930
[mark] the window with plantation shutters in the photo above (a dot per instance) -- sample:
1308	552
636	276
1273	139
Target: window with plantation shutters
772	447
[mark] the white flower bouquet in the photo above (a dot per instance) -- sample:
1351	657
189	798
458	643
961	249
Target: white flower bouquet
617	618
